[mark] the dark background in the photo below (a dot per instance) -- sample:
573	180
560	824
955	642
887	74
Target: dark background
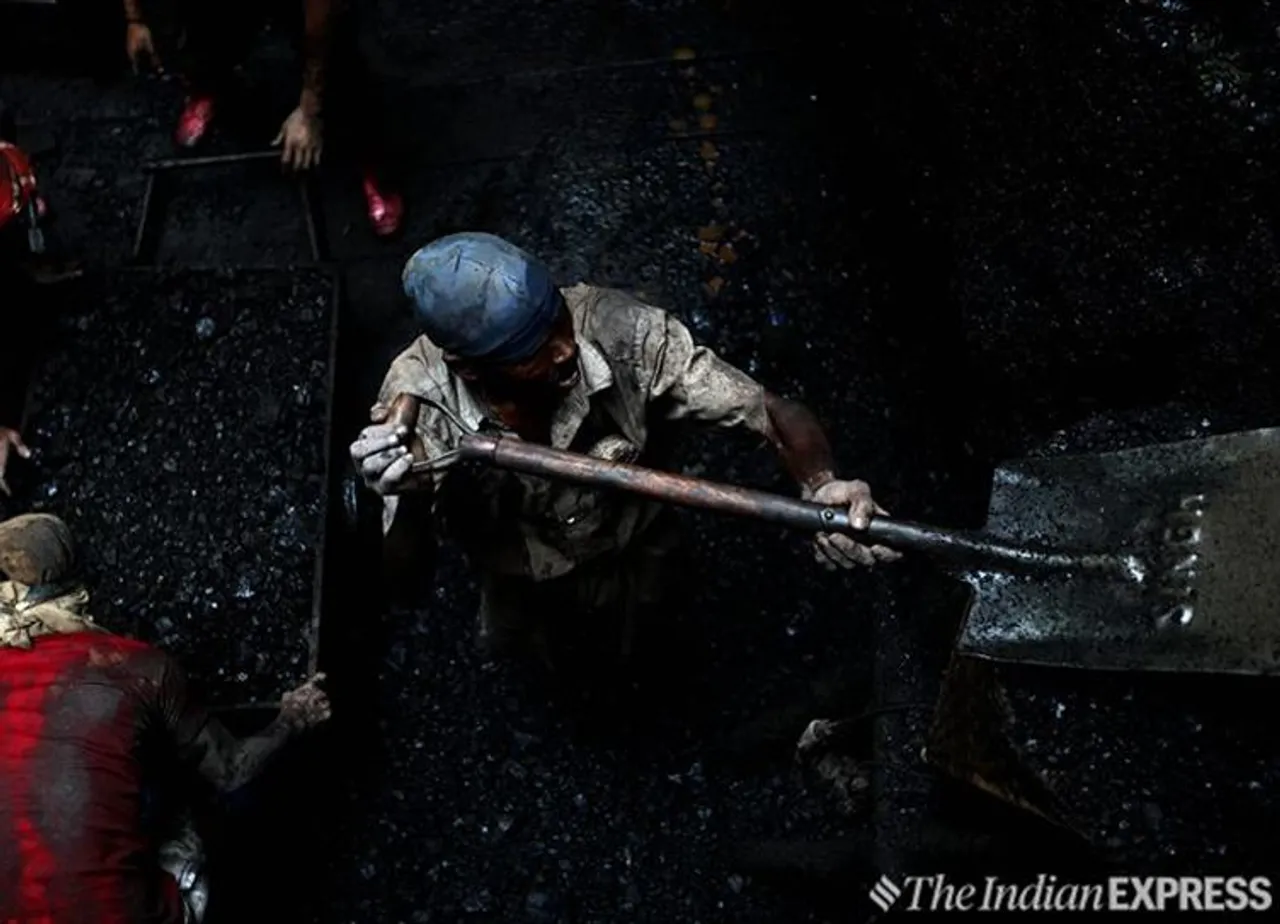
957	230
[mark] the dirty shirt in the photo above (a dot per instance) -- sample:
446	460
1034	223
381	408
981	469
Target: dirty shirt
77	711
641	371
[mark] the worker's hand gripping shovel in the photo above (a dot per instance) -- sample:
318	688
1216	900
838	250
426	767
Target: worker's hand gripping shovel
389	453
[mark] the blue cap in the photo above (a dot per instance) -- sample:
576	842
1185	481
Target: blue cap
480	297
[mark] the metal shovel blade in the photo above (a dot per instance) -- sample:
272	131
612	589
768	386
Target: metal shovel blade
1203	516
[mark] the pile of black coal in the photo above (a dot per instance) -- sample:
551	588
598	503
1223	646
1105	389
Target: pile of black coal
180	426
1161	772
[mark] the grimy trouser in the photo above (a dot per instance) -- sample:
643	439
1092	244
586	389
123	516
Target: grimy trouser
620	589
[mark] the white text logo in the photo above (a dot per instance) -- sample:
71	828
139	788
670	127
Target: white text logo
884	893
1046	893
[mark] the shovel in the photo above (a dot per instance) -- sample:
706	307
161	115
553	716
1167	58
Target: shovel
1162	558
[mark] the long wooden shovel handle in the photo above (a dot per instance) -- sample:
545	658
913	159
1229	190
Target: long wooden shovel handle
682	490
959	546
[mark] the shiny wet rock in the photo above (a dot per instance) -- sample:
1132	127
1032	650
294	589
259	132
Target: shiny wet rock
169	433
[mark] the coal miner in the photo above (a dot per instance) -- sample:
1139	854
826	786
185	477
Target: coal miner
586	369
25	265
89	722
19	204
337	87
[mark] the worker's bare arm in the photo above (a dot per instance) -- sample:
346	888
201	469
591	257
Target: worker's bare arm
228	762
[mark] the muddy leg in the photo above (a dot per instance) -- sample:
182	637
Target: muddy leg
511	622
647	592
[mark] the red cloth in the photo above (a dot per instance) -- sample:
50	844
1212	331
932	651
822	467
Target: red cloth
75	711
17	182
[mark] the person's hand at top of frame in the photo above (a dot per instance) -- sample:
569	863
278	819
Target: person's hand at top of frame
301	140
10	441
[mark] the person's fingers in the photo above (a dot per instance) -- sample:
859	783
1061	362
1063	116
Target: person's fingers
4	487
851	552
861	506
374	467
375	440
396	472
279	138
379	413
382	431
827	556
23	449
826	542
880	511
318	677
364	448
378	430
881	553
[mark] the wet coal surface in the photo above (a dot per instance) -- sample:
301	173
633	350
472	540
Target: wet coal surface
243	215
475	41
1161	774
996	219
180	428
1118	232
95	185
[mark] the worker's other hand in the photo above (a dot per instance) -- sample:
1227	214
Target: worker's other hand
837	550
10	441
382	455
302	138
307	706
140	47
